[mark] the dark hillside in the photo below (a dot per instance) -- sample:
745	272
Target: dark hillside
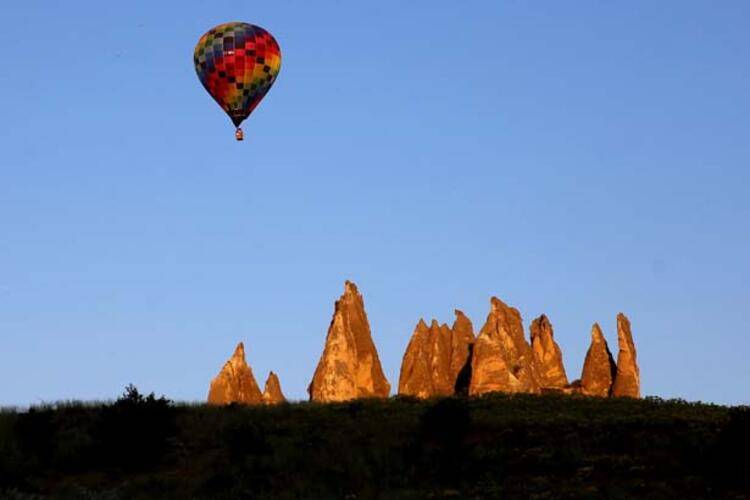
489	447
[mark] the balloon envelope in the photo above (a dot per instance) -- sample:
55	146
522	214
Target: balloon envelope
237	63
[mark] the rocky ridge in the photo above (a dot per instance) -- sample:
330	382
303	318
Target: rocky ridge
444	361
502	360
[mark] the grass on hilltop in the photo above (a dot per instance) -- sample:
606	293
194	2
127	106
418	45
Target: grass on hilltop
499	445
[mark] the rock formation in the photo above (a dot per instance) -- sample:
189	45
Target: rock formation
349	367
502	359
599	368
435	357
426	367
462	347
547	355
272	392
628	378
235	383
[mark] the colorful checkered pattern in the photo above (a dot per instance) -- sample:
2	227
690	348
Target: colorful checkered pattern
237	63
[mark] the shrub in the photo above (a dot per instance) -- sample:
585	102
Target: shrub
136	431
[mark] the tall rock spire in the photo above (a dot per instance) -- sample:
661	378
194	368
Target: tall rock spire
435	357
272	392
462	345
502	360
547	355
599	368
349	367
628	379
425	370
415	378
235	382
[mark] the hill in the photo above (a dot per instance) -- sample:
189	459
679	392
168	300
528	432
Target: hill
497	445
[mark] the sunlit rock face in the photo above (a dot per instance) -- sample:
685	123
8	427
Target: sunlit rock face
547	355
426	367
272	392
349	367
462	347
628	378
435	357
502	359
235	383
599	367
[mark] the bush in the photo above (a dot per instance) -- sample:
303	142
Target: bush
499	445
136	431
731	454
442	441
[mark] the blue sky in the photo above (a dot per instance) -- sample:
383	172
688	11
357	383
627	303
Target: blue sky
573	158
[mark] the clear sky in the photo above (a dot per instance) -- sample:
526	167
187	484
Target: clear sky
573	158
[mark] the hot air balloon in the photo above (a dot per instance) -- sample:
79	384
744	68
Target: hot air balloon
237	63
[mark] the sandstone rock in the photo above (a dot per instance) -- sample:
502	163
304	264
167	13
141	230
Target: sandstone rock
272	392
435	357
547	355
349	367
426	367
628	378
502	359
415	378
599	368
573	388
235	383
462	346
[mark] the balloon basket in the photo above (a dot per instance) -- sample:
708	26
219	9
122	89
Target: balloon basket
239	135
